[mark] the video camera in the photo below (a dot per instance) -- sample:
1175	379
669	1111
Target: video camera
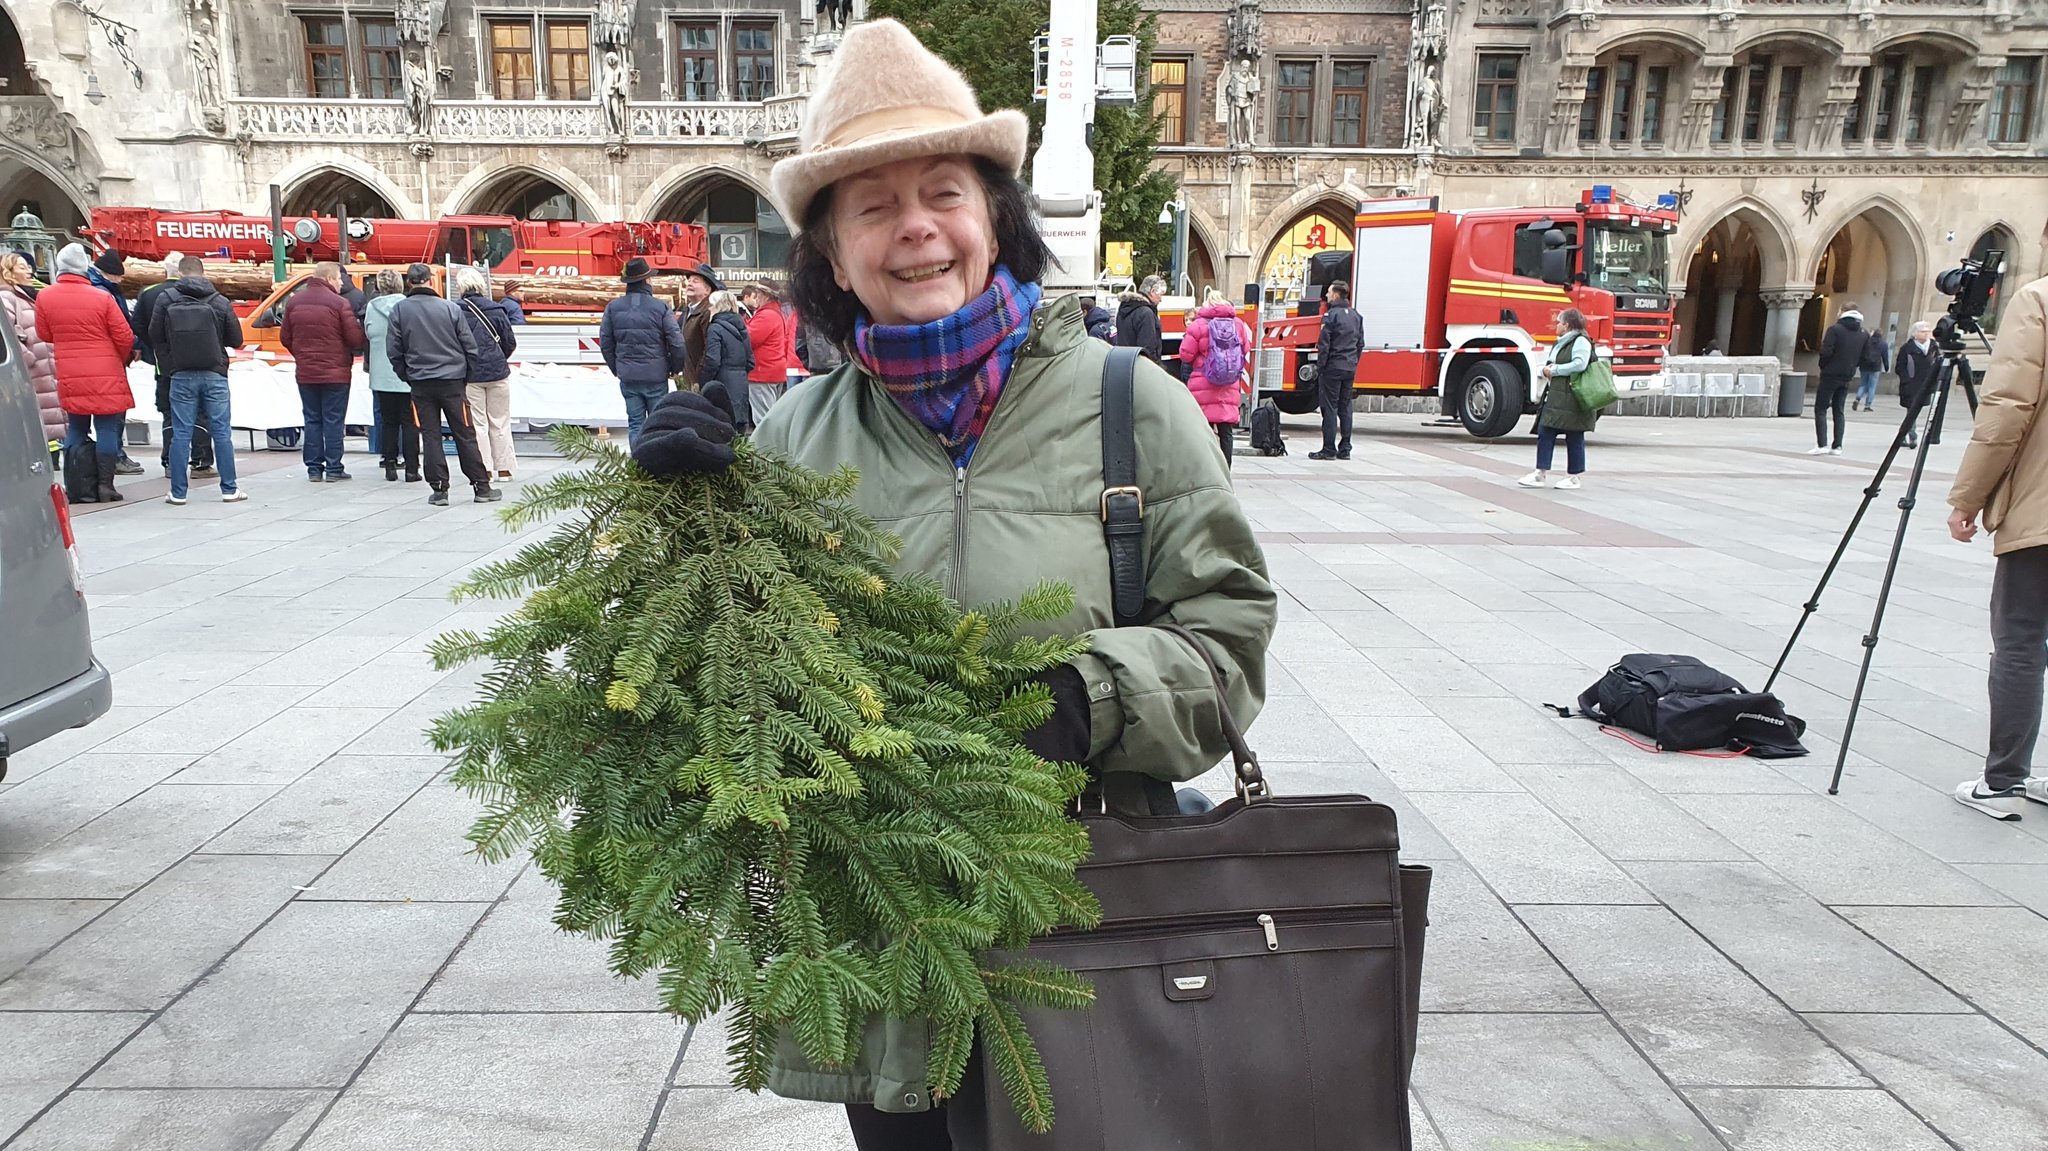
1969	289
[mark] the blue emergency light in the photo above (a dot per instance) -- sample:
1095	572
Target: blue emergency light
1667	200
1603	193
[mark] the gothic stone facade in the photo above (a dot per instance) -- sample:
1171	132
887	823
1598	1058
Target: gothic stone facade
1826	152
1328	130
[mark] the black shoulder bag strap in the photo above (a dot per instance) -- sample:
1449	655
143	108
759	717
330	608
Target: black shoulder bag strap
1123	502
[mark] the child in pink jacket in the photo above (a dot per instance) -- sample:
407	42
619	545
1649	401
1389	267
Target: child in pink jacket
1203	351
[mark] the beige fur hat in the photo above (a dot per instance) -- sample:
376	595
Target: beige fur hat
888	98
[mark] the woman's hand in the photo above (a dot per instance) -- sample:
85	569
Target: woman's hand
686	433
1069	734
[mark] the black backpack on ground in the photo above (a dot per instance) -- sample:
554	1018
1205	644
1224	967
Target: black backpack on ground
1266	430
1684	705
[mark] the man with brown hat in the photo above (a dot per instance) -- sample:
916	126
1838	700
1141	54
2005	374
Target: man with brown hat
698	284
2004	480
642	344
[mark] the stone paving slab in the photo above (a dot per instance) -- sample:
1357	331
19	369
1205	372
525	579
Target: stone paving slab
1809	970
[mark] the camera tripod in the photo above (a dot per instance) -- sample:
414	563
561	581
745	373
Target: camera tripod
1955	366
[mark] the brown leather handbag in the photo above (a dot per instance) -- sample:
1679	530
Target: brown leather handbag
1256	974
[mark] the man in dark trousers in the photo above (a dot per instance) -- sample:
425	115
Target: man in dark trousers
324	337
1841	363
1137	318
2002	485
194	329
1917	364
1337	347
432	351
146	303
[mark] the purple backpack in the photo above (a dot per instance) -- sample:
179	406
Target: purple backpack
1223	363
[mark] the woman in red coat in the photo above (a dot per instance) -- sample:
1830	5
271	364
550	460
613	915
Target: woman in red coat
774	349
94	344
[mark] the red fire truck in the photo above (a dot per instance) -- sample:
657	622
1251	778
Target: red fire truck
504	245
1460	304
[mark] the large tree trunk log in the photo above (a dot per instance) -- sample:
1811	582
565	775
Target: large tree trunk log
252	282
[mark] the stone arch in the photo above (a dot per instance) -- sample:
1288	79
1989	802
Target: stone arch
2000	235
1817	42
1204	259
1774	241
485	188
1326	222
1891	291
1685	42
1949	43
305	177
683	181
1342	200
746	231
1728	265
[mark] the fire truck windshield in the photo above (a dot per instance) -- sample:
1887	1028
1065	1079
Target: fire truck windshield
491	246
1627	259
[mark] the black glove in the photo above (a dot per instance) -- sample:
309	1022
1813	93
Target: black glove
685	433
1067	736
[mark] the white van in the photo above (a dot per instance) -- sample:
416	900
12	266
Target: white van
49	680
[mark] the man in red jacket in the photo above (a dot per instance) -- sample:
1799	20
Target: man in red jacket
93	345
324	337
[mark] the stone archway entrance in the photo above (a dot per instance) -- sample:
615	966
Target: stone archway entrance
322	192
1868	264
1997	239
1722	306
1326	227
747	234
528	196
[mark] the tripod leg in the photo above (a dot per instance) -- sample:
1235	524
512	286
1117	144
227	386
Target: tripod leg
1841	548
1891	568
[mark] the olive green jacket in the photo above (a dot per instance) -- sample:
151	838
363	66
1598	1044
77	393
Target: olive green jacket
1026	509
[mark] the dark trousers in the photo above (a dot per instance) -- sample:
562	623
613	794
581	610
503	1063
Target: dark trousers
202	438
325	407
433	401
1833	394
1226	434
1546	447
2019	653
1334	388
398	431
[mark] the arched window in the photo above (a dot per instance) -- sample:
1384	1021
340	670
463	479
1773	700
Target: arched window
1285	268
1995	240
746	232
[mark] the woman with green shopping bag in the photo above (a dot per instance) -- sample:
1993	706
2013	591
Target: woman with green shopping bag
1564	412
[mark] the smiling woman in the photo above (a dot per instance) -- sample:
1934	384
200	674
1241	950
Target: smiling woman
972	417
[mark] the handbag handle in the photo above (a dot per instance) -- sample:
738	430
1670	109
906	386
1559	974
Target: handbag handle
1249	776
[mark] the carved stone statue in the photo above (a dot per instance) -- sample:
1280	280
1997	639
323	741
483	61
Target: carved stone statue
616	93
1242	90
419	93
203	41
1430	44
614	23
1428	104
1244	34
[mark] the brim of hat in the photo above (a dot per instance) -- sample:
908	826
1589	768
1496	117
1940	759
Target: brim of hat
797	180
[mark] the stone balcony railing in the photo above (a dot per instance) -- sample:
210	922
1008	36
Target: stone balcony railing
773	121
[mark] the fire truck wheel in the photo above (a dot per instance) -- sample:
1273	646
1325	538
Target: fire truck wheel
1491	400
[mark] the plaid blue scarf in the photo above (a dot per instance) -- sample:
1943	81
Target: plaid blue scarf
947	374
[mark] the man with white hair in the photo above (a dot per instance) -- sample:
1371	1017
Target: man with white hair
1916	365
146	304
1137	318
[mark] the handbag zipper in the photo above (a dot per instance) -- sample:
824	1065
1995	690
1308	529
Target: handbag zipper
1267	924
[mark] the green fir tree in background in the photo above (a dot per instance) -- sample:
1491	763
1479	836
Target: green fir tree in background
989	41
771	770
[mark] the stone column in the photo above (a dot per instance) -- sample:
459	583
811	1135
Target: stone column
1781	328
1724	320
1238	268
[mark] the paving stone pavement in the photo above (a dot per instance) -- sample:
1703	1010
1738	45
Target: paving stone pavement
237	914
